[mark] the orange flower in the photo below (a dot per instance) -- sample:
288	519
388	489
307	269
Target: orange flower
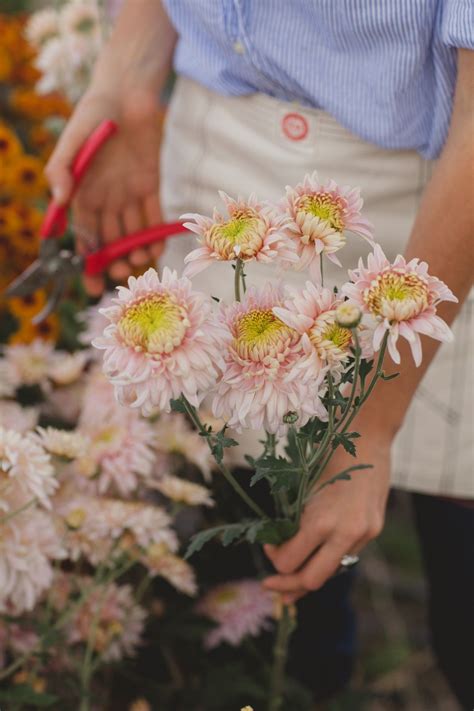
6	64
10	146
41	140
25	177
25	307
10	220
38	107
27	332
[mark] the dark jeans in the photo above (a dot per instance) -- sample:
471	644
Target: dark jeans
324	645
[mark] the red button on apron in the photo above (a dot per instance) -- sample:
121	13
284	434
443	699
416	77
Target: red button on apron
294	126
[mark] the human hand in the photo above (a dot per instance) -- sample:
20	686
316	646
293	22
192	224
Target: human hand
339	520
119	193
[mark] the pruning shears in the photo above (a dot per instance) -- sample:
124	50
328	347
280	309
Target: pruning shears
56	265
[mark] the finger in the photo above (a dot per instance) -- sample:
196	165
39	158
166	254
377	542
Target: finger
325	563
86	227
291	598
291	555
156	250
111	228
291	584
152	210
120	270
132	218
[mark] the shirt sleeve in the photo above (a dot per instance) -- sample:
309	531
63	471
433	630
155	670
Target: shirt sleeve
457	23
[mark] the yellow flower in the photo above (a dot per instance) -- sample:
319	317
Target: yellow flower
10	220
10	146
6	64
38	107
25	177
27	306
48	330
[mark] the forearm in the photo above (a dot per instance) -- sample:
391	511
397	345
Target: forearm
443	236
139	51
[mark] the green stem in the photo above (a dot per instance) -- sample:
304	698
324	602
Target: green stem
238	274
304	479
12	514
285	628
191	411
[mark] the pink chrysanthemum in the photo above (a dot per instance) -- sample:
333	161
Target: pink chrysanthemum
264	367
174	436
30	363
402	297
116	618
250	231
159	560
321	214
26	472
162	341
28	544
120	454
312	313
15	417
239	608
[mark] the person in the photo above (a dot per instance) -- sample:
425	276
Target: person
379	95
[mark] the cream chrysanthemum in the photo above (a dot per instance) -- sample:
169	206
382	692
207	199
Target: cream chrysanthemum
264	369
159	560
30	363
116	618
81	17
184	492
239	608
28	544
67	368
321	215
250	231
312	313
26	472
162	342
42	26
15	417
63	443
402	297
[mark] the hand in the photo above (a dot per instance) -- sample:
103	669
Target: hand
119	193
339	520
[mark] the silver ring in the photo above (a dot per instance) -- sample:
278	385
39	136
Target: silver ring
347	561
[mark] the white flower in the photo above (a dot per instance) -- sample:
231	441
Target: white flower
15	417
29	364
182	491
67	368
81	17
63	443
42	26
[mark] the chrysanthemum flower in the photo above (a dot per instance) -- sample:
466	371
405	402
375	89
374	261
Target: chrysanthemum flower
321	215
80	16
10	146
239	608
312	313
63	443
264	366
159	560
182	491
402	297
15	417
162	341
66	368
26	472
121	453
250	231
174	436
116	618
28	544
29	363
42	26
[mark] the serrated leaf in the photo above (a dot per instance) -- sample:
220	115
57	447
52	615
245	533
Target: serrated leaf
276	531
228	533
177	406
253	530
345	475
346	441
233	532
200	539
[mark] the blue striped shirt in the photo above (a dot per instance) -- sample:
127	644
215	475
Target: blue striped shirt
385	69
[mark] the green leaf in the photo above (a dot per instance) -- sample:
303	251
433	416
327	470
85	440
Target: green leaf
228	533
276	531
200	539
389	377
364	369
233	532
346	441
23	694
221	442
278	471
177	406
345	475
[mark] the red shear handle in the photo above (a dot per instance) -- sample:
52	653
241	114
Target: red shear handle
55	220
97	262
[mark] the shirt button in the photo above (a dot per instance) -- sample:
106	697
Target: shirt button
239	47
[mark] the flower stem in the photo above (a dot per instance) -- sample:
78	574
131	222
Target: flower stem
286	625
238	277
192	412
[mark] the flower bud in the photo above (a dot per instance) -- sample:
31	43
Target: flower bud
348	315
290	418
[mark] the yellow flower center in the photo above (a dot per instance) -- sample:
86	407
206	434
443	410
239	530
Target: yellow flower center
156	324
326	207
238	237
397	297
260	333
225	596
332	342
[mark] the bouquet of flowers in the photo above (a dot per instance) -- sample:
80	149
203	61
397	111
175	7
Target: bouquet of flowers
296	363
